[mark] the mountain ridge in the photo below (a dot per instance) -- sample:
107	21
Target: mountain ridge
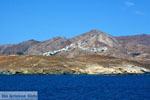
92	42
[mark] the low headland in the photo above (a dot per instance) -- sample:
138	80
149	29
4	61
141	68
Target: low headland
87	65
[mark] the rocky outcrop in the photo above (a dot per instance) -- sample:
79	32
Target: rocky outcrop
97	65
95	39
122	70
104	65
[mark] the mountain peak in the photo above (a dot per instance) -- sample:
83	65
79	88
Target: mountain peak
95	39
95	31
29	42
58	38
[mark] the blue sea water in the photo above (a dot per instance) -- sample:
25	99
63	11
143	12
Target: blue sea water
80	87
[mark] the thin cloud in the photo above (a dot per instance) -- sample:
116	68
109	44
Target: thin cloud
129	4
140	13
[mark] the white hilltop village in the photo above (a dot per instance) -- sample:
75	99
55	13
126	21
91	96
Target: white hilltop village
95	50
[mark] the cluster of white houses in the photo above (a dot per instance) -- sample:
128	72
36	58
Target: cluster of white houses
53	53
94	49
57	51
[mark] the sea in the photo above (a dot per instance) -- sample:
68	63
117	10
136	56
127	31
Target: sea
80	87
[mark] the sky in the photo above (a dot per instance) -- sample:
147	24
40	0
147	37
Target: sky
22	20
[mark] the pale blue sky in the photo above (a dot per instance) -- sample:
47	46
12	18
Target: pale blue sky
22	20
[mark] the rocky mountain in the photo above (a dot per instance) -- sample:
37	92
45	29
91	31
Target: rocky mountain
135	44
49	45
137	47
18	49
95	39
143	39
85	44
132	47
93	42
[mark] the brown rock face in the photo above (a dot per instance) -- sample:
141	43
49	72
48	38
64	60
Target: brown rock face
133	48
95	39
137	43
19	49
143	39
49	45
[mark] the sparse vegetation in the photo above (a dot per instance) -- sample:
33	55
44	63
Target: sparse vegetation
94	64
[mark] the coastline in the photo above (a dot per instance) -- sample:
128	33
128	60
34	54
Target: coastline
118	74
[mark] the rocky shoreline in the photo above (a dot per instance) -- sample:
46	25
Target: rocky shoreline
67	72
